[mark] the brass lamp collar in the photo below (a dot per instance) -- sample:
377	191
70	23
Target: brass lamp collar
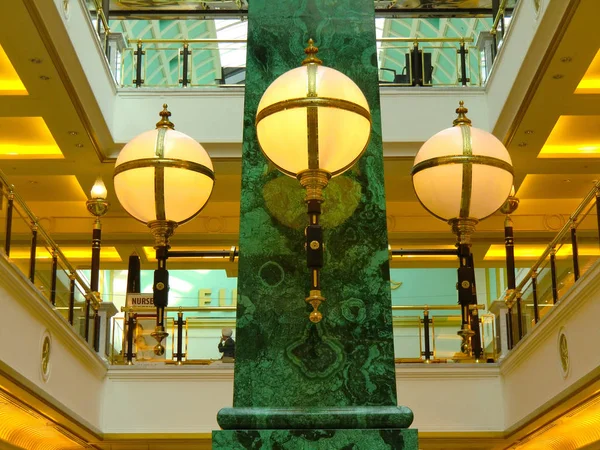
311	52
463	227
510	205
164	121
162	230
462	118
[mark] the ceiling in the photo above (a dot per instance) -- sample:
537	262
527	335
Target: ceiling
554	144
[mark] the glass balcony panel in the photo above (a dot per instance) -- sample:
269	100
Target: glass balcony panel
446	341
565	277
408	337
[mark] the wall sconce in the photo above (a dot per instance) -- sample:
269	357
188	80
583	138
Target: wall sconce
313	123
462	175
163	178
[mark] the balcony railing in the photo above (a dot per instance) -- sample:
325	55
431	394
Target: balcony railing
564	260
27	244
428	336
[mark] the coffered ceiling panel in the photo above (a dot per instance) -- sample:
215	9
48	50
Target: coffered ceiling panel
543	186
44	188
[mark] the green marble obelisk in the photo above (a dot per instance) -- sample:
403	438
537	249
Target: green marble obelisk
299	385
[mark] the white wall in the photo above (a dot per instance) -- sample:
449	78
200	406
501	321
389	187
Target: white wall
532	374
76	373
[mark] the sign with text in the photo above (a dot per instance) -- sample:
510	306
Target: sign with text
140	300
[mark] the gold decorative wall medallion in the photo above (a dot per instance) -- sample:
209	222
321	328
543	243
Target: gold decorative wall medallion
45	355
563	352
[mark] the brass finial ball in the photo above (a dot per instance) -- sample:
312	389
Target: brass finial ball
311	54
315	316
159	350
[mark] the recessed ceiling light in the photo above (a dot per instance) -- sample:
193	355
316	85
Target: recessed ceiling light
567	180
557	76
79	145
33	182
73	133
566	59
44	77
528	131
35	60
522	144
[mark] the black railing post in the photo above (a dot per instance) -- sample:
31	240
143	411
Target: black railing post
511	282
426	322
32	252
179	338
54	276
519	316
553	276
463	63
96	329
71	296
416	66
138	68
467	297
536	311
575	252
130	331
86	327
96	243
185	53
9	214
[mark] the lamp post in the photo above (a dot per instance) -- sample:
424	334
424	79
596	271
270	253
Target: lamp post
510	206
97	207
462	175
163	178
313	123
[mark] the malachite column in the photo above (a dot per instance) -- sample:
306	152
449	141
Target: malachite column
300	385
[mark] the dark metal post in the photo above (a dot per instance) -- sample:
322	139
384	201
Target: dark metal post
133	274
138	68
426	321
509	329
416	66
509	246
96	242
536	311
179	338
9	214
53	283
86	328
130	331
467	296
71	296
553	276
96	330
185	53
519	316
575	252
463	63
32	253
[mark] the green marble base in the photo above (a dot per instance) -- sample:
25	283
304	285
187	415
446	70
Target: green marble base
350	417
370	439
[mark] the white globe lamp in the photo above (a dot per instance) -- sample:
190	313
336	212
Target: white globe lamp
313	123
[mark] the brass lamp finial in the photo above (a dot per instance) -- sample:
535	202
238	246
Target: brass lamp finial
462	119
311	52
164	121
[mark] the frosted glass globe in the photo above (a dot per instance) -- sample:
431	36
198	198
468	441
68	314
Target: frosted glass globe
187	181
444	162
343	120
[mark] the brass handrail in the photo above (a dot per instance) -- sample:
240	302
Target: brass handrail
552	245
500	14
243	41
53	245
408	39
138	309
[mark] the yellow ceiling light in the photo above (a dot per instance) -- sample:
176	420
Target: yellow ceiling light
573	137
107	254
590	83
496	252
27	138
577	429
23	427
10	83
